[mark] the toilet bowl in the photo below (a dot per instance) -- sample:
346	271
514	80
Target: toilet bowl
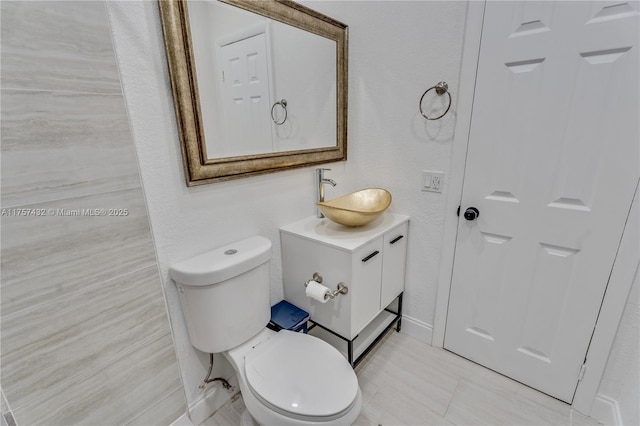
294	378
286	378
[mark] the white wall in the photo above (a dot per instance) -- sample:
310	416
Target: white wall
617	399
396	51
304	73
200	15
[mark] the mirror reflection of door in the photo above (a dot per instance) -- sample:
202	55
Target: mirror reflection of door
245	97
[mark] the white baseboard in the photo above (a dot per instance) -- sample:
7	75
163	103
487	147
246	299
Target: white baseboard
606	411
417	329
210	402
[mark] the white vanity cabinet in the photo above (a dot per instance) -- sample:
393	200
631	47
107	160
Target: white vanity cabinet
370	260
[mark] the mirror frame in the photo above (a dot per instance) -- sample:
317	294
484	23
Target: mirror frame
199	169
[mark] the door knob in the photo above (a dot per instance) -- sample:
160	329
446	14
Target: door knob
471	213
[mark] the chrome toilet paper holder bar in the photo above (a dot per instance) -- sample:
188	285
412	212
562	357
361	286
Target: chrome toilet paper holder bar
342	288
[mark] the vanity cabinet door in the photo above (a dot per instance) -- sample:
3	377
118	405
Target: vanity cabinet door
366	283
393	264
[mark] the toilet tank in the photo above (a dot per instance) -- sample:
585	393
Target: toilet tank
225	293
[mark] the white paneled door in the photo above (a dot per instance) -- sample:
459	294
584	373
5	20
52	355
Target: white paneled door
552	166
245	97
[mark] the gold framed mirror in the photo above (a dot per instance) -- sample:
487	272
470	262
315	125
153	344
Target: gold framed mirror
298	139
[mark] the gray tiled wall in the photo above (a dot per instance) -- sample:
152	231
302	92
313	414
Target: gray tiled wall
85	335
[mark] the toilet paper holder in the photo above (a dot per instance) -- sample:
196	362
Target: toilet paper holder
342	288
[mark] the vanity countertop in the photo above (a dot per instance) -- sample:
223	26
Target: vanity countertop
343	237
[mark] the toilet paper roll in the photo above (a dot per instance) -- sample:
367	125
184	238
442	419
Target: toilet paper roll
317	291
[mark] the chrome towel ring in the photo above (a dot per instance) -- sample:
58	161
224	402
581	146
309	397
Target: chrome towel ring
441	88
283	104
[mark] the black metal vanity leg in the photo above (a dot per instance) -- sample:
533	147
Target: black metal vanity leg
399	323
350	352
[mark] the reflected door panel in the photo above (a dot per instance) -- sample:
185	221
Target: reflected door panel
245	97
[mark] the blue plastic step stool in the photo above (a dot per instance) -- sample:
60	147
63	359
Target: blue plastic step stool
289	317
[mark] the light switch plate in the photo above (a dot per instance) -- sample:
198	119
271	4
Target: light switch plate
432	181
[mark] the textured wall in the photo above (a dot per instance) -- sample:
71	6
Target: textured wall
85	334
621	380
396	51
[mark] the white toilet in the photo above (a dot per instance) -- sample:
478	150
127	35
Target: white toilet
286	378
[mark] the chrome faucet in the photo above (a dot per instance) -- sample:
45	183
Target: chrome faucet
320	182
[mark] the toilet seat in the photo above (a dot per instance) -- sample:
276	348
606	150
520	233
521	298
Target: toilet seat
301	376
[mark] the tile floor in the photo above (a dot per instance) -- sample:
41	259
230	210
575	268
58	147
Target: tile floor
407	382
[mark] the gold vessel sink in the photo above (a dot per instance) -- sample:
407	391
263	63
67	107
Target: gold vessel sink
357	208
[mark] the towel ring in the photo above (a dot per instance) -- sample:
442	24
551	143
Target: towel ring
283	104
441	88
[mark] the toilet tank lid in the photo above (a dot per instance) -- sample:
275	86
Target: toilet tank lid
222	263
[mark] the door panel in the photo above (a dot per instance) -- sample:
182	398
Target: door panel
366	285
393	264
552	165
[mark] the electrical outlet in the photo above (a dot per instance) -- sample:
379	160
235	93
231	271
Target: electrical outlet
432	181
435	183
